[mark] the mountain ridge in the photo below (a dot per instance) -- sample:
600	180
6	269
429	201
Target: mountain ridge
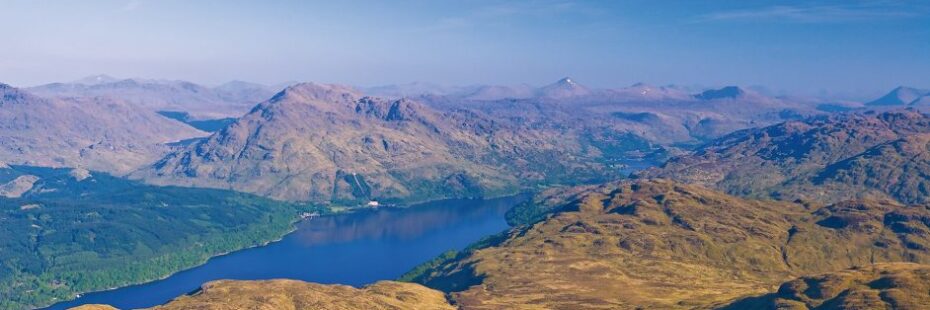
330	143
818	158
97	133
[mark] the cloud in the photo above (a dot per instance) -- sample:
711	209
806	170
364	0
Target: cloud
820	13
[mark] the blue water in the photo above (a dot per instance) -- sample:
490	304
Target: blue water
354	249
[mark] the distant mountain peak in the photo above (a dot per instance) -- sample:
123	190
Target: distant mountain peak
567	81
313	92
901	95
564	88
96	80
727	92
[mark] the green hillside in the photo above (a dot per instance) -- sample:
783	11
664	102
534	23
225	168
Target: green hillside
74	231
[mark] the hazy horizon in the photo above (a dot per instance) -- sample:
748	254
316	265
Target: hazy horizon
829	49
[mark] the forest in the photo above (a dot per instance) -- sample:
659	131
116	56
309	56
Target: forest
70	234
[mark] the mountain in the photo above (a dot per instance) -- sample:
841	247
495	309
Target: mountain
658	244
728	92
899	96
563	89
96	133
499	92
921	102
666	115
328	143
229	100
824	158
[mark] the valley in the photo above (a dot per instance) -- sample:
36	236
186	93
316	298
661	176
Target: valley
640	194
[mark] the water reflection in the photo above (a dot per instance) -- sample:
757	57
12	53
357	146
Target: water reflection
395	224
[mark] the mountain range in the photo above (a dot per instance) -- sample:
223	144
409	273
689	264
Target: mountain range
667	115
227	100
330	143
866	155
472	140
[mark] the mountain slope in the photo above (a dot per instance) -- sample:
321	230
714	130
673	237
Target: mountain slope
73	231
228	100
899	96
328	143
95	133
291	294
826	159
728	92
564	89
880	286
657	244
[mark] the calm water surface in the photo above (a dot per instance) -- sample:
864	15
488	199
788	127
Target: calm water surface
354	249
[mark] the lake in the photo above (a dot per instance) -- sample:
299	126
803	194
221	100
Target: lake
355	249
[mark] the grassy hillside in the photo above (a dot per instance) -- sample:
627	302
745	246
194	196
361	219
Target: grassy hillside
76	231
660	244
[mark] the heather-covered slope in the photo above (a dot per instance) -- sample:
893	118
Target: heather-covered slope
328	143
658	244
291	294
94	133
878	155
879	286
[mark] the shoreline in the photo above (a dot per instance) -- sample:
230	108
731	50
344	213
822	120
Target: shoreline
82	294
293	228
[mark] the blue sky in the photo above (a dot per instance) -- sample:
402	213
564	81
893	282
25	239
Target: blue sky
841	48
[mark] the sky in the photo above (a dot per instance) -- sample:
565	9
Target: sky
829	48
